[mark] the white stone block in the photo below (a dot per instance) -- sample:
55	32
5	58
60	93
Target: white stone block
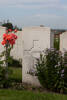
35	40
63	42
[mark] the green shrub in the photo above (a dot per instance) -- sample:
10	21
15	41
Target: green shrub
65	69
14	63
51	70
4	82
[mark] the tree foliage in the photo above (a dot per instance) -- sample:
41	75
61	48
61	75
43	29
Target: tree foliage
8	25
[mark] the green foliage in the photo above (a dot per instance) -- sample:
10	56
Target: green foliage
8	25
16	27
56	43
14	62
16	75
50	70
11	61
65	69
4	83
6	76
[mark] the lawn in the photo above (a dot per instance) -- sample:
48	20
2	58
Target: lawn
28	95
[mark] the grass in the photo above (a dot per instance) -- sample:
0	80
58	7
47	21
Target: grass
16	74
27	95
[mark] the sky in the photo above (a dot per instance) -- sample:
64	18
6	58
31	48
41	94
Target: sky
24	13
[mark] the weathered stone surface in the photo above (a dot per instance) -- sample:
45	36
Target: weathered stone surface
2	31
35	40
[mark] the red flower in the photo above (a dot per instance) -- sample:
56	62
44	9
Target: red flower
15	30
4	36
10	38
10	30
13	36
3	42
12	42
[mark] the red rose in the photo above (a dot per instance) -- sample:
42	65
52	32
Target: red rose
12	42
4	36
15	30
10	38
13	35
3	42
10	30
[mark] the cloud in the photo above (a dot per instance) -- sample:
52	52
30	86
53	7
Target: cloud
19	2
39	6
33	4
26	1
47	16
48	12
50	20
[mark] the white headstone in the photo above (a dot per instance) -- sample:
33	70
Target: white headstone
35	40
63	42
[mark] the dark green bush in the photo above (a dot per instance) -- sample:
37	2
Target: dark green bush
65	69
5	71
4	82
14	63
51	70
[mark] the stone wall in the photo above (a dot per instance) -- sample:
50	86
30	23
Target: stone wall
2	31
